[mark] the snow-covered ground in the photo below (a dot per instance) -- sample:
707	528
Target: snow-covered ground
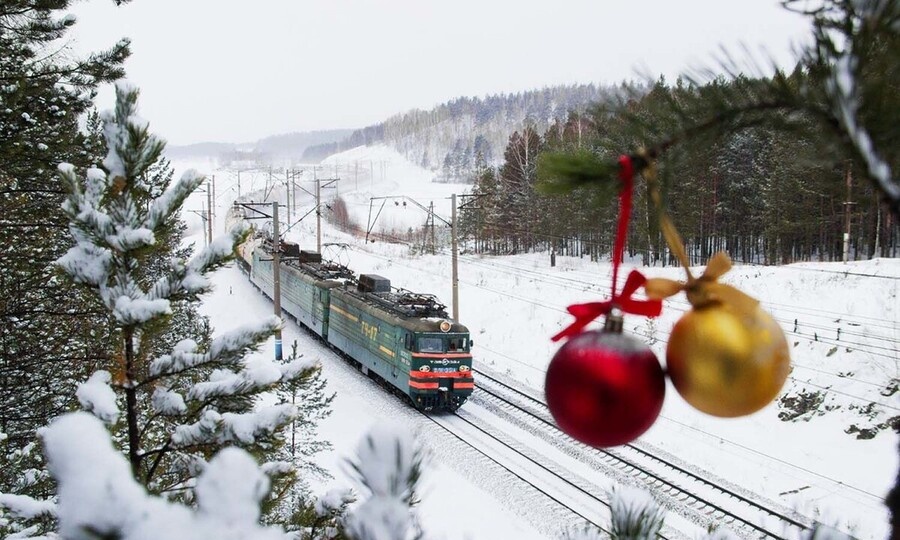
841	321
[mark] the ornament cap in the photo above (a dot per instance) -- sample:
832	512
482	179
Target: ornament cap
614	321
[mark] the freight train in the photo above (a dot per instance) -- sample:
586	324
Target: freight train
405	339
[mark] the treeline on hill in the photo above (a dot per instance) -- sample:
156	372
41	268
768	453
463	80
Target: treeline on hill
451	137
757	193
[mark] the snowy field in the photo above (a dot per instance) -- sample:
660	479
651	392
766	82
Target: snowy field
841	321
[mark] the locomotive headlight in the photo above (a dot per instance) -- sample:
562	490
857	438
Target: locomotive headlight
464	368
425	368
445	326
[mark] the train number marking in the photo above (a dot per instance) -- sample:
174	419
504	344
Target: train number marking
370	331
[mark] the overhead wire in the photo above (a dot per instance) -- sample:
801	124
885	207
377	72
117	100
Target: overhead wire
833	329
865	347
556	309
862	347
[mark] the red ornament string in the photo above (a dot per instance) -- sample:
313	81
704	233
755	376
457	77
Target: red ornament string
586	313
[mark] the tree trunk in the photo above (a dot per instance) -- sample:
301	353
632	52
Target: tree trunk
131	404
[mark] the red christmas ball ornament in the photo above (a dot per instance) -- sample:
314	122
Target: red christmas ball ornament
605	388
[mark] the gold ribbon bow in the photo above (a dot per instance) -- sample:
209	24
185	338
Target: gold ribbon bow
706	289
700	291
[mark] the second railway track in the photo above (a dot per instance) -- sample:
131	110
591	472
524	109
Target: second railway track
690	494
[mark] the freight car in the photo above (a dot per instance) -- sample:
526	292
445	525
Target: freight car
405	339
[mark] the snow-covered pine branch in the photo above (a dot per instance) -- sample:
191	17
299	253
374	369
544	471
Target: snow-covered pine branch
257	374
25	507
843	90
635	514
249	428
297	368
99	498
97	398
189	278
220	250
241	428
388	464
228	349
87	262
132	149
168	402
173	198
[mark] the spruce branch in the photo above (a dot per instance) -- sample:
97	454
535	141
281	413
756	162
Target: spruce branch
841	98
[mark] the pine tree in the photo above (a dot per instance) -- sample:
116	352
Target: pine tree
41	99
51	333
517	178
181	406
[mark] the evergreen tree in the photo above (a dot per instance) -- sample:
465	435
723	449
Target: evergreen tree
51	333
517	178
182	405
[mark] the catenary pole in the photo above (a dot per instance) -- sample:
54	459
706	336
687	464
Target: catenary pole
209	214
453	242
214	197
431	213
276	275
847	213
318	215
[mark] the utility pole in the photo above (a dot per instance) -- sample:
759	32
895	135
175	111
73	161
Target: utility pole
847	207
318	216
214	196
287	195
431	213
877	252
294	186
239	184
276	275
455	273
203	218
209	213
204	215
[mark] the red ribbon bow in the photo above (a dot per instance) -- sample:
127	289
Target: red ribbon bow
585	313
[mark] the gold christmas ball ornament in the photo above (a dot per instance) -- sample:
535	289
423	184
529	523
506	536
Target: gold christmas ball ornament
727	362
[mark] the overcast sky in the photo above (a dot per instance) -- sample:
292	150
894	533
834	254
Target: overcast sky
240	70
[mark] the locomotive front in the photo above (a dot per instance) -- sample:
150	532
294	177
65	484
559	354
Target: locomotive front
440	365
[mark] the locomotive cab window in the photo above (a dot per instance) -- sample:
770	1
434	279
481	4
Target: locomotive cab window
431	344
456	344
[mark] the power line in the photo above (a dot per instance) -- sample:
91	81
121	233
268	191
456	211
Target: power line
664	341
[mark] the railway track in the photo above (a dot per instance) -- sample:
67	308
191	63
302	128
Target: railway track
580	500
695	503
687	493
575	503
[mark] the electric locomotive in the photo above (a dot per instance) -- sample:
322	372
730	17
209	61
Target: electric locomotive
406	339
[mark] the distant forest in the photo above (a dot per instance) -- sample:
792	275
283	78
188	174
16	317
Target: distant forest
761	194
453	137
288	146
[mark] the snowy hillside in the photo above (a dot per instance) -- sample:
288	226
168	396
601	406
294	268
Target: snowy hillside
447	138
389	175
833	455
